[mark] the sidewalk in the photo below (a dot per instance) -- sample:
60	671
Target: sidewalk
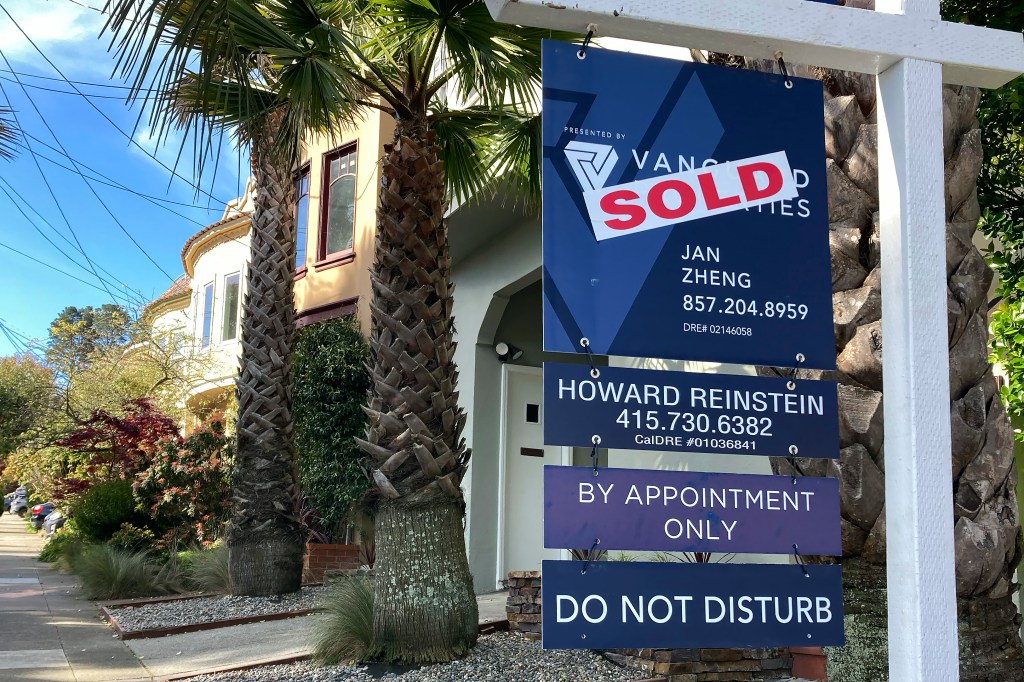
46	635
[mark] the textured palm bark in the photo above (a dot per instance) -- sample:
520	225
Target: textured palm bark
425	608
265	545
983	476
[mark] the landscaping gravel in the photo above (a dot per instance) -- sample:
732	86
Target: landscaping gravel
501	657
206	609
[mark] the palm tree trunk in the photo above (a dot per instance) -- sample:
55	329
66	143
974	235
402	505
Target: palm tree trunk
425	609
987	524
265	545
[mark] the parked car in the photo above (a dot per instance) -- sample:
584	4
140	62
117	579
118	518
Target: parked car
40	512
52	522
19	503
7	502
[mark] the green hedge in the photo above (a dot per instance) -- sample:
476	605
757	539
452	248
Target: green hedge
331	383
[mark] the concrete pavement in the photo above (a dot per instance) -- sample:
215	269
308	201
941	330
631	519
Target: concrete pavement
46	635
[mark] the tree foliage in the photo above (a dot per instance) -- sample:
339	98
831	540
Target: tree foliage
330	389
26	399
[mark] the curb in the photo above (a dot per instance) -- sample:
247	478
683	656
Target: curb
235	668
109	616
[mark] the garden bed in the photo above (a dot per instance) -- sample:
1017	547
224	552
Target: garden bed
142	618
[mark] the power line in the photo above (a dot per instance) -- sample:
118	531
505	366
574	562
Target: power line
115	183
92	84
53	194
129	137
87	182
64	92
14	201
65	273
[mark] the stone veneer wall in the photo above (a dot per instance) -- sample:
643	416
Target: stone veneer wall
675	665
523	604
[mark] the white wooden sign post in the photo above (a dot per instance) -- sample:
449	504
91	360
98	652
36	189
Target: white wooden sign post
912	52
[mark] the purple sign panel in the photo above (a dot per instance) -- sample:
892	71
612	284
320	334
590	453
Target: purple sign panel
641	409
626	604
688	511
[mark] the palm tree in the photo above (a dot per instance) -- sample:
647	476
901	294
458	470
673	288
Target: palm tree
987	524
262	71
262	66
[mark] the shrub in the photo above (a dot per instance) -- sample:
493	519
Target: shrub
330	391
344	631
207	570
133	538
108	572
103	509
186	489
59	547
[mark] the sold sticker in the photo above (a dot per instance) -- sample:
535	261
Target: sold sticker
690	195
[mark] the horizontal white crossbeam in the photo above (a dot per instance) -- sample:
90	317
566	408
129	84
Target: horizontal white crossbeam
810	33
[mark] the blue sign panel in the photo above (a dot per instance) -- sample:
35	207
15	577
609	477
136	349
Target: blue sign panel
690	511
622	604
639	409
685	211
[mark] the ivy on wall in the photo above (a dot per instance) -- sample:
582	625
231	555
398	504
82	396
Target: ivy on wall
330	390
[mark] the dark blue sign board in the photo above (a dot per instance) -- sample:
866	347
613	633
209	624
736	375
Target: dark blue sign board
638	409
685	211
622	604
690	511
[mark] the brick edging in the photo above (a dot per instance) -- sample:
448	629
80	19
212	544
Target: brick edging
109	616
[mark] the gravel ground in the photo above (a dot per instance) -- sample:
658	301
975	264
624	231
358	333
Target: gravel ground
501	657
206	609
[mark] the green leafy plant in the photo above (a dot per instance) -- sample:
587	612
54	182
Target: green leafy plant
207	570
102	509
60	545
330	390
108	572
344	631
186	489
133	538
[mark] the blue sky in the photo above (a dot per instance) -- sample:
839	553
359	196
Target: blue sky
31	294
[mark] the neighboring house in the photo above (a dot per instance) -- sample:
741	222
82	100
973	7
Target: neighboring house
201	311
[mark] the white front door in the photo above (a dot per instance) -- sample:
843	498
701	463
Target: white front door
524	457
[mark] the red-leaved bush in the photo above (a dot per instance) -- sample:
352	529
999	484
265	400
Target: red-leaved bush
186	488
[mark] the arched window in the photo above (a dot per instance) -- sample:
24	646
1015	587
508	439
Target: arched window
338	201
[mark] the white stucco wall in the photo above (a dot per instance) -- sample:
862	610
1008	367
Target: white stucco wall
214	265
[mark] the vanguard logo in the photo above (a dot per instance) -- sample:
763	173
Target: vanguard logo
678	197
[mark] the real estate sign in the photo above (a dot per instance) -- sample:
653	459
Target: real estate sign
637	409
685	211
623	604
690	511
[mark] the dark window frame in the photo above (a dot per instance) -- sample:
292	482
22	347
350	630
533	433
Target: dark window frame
329	260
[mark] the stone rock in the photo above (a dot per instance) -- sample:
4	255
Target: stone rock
861	165
861	359
860	417
843	118
861	487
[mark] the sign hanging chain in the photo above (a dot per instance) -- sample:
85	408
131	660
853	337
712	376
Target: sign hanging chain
591	30
782	69
800	561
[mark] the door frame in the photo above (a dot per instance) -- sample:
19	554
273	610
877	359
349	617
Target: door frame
566	459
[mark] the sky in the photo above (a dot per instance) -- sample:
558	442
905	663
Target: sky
51	214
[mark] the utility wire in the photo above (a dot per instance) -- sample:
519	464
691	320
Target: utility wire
53	194
57	232
87	182
92	84
65	273
63	92
109	120
113	182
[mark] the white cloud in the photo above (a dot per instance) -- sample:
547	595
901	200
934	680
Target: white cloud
50	24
